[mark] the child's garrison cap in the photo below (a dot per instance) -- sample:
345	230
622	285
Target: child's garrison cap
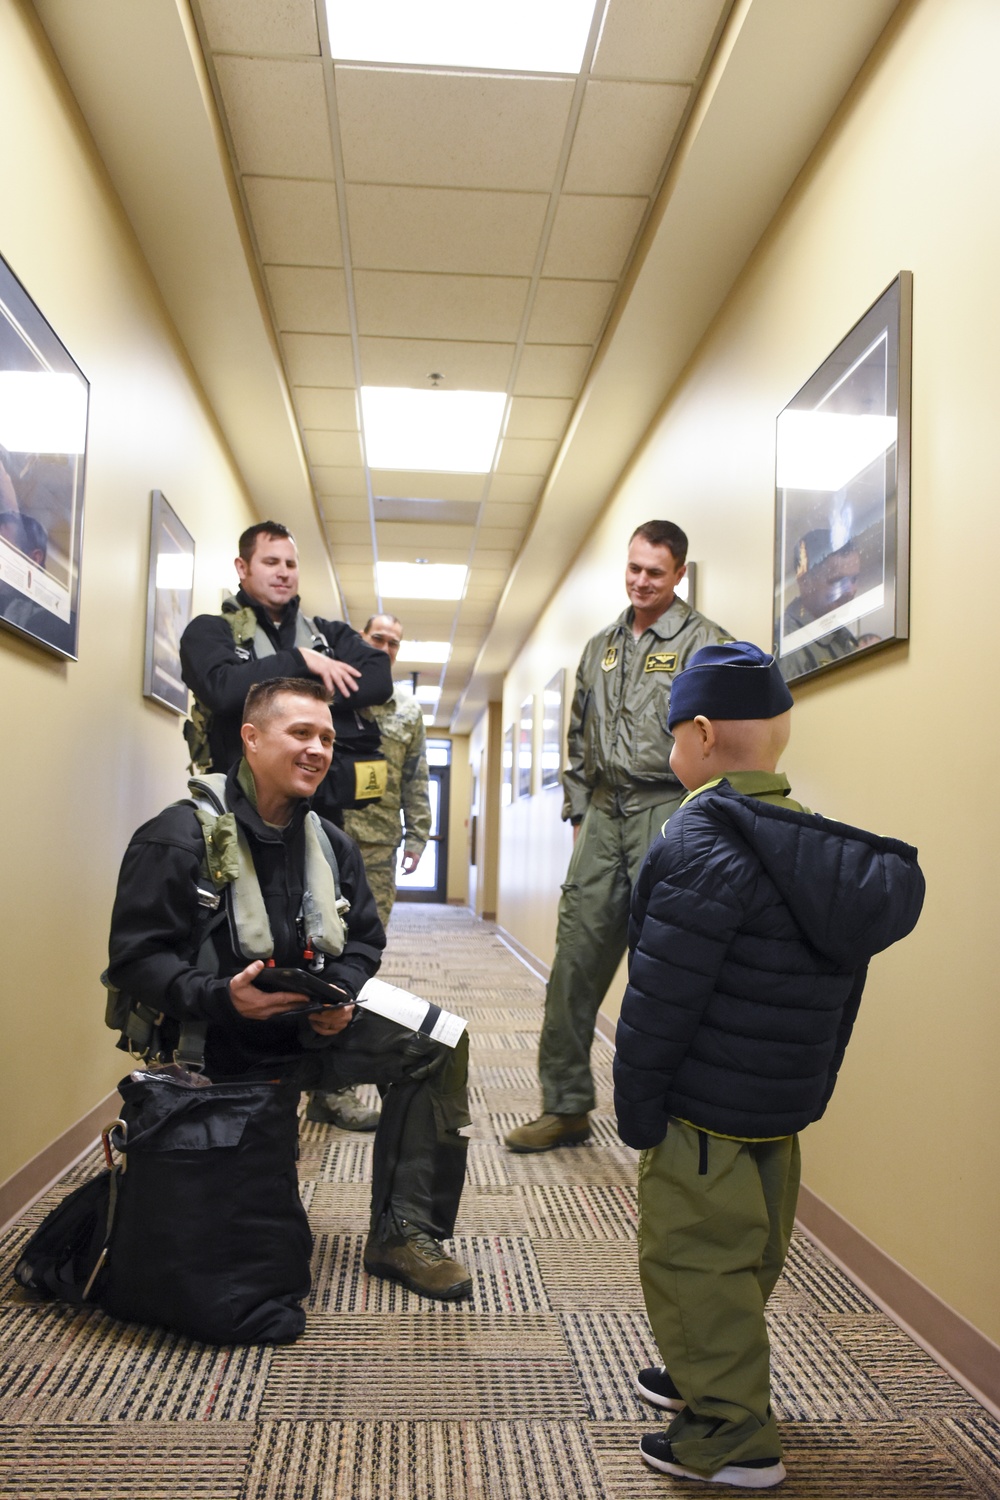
734	681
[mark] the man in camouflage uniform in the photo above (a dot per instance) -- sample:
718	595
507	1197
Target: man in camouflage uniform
378	830
619	791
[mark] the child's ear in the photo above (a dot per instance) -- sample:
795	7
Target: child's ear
706	731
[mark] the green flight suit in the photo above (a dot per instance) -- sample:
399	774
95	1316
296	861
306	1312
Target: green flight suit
378	829
620	783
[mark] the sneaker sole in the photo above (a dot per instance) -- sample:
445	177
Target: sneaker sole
666	1403
734	1474
576	1139
328	1119
452	1294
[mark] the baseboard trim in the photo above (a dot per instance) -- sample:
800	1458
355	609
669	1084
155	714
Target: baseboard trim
954	1342
956	1345
28	1184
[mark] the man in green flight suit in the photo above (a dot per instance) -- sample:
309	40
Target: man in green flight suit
377	830
619	791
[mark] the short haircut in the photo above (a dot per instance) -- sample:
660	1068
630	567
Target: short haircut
248	541
383	614
262	700
664	534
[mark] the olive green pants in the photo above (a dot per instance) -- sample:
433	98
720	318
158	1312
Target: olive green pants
591	936
715	1219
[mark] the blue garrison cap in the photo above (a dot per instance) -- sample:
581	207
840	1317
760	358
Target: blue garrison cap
734	681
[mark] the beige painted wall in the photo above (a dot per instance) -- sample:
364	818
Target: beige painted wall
85	757
905	179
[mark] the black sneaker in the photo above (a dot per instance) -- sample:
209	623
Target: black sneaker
749	1474
655	1386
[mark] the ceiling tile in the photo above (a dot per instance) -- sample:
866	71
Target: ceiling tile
351	553
503	515
396	552
657	38
410	305
478	610
464	366
325	408
277	116
295	223
445	229
592	236
308	299
339	448
623	136
526	455
536	417
318	359
551	370
354	533
344	507
515	489
416	537
486	558
406	485
451	129
275	26
337	481
569	312
500	538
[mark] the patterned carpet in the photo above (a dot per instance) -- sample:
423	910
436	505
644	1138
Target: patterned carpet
522	1394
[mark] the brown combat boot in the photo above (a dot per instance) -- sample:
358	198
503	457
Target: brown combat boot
417	1261
549	1131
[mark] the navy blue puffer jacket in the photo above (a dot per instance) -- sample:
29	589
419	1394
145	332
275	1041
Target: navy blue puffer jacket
751	930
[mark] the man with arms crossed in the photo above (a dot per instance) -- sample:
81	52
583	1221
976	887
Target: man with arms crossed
619	791
377	830
274	877
274	638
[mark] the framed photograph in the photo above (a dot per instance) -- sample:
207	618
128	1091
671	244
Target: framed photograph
44	399
170	592
507	768
552	729
687	589
842	497
525	746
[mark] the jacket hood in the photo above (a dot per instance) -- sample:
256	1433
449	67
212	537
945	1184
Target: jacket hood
852	893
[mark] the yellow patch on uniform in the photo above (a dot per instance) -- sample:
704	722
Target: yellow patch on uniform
610	657
661	661
369	779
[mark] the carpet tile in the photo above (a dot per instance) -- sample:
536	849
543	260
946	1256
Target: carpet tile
523	1392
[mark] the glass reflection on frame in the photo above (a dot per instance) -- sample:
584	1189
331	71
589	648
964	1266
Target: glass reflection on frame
841	568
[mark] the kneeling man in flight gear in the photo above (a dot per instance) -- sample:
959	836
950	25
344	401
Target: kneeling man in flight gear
283	875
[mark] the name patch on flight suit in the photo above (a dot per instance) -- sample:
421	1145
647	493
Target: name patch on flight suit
610	657
661	661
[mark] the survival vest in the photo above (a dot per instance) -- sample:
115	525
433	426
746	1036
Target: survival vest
358	774
227	866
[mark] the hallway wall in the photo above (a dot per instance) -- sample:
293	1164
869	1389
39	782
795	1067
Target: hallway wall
904	178
86	759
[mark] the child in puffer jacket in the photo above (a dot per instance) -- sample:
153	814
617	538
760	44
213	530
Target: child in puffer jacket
753	923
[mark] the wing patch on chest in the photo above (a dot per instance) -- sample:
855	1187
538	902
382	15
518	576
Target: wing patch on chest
610	658
661	661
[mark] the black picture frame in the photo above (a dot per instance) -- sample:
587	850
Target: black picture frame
169	600
44	409
842	497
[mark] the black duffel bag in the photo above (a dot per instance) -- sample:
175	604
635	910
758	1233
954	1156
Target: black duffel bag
207	1231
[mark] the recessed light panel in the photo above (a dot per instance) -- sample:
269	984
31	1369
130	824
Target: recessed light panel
454	432
518	36
398	580
431	652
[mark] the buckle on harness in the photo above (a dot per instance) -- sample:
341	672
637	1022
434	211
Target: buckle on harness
211	899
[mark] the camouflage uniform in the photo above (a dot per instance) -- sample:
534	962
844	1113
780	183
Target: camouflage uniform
377	830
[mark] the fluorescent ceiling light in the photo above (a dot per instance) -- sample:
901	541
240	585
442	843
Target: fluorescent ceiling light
436	652
42	412
519	36
823	450
452	432
397	580
428	719
428	694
